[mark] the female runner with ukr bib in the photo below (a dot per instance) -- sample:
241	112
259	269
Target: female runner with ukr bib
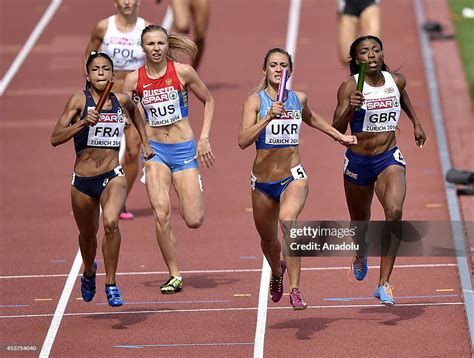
278	180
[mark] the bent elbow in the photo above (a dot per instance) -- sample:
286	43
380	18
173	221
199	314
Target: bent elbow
243	143
54	142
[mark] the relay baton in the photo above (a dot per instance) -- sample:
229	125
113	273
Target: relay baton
282	86
104	96
360	81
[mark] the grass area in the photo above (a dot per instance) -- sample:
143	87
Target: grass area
465	39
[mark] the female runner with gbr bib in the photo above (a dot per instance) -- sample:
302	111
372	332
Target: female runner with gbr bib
278	180
162	85
119	37
98	179
375	163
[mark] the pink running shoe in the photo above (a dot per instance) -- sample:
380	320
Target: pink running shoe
296	300
125	214
276	284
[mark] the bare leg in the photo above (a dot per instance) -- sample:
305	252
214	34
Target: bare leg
200	14
86	214
391	190
265	215
346	34
112	201
291	203
191	199
131	160
181	15
370	21
158	184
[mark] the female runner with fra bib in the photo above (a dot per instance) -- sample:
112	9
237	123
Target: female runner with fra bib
119	36
375	163
98	178
278	180
162	85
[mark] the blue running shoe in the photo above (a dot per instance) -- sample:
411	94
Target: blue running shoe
113	296
359	264
359	267
88	285
385	294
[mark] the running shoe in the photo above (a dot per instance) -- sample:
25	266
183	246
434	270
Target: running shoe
125	214
296	300
385	294
276	284
359	264
88	285
173	285
113	296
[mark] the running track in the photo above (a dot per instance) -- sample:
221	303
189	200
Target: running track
216	314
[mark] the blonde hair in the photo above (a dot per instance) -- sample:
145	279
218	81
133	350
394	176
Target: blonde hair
178	44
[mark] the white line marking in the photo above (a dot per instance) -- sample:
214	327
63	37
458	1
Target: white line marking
61	307
168	19
444	155
76	266
138	273
291	41
262	309
38	30
239	309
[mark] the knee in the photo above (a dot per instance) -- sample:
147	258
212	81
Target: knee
194	222
87	237
110	226
162	217
132	152
393	213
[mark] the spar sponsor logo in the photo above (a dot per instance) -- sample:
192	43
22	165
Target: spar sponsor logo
159	95
382	104
289	114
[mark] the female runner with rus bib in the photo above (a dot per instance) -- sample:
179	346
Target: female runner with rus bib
375	163
162	86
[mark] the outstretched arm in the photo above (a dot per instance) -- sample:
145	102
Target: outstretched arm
407	107
316	121
192	80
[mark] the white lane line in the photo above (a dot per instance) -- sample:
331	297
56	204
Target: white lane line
76	266
145	273
383	309
61	307
262	309
291	40
444	155
168	19
38	30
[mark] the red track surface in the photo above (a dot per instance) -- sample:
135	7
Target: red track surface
38	234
